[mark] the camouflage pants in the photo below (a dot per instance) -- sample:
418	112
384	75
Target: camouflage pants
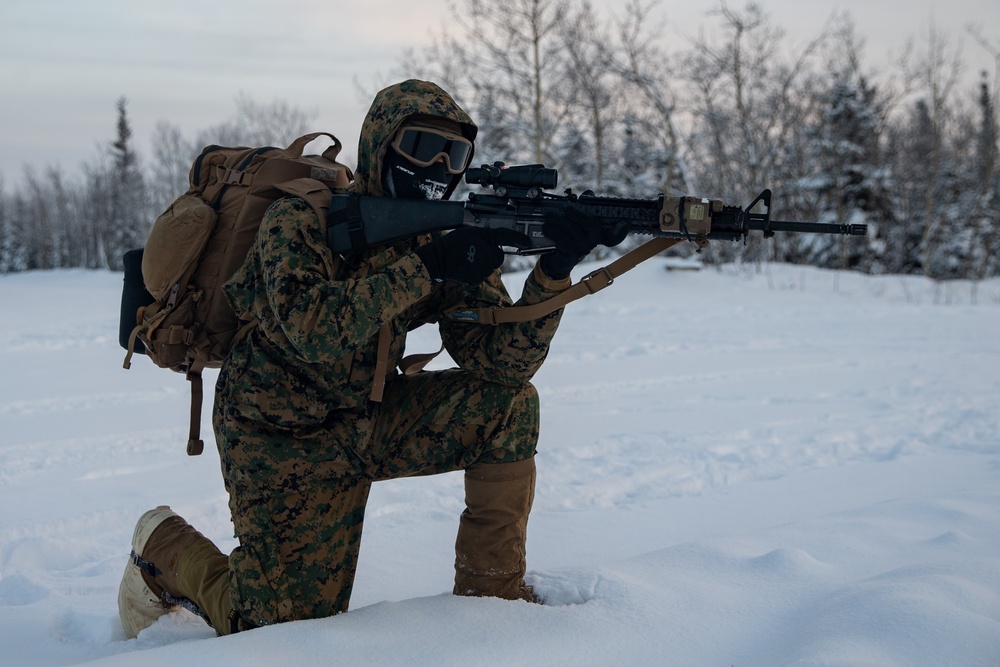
299	537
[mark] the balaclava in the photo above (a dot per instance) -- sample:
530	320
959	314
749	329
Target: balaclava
390	109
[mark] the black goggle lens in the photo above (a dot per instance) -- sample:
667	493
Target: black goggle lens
425	146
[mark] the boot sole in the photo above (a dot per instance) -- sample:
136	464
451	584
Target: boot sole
138	606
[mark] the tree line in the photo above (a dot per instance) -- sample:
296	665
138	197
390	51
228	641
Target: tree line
910	148
90	221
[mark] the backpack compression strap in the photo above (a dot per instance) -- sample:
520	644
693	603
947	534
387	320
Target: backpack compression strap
195	445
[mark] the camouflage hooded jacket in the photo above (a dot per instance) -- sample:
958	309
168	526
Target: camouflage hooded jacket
315	349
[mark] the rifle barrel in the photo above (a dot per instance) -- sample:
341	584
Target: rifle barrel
809	227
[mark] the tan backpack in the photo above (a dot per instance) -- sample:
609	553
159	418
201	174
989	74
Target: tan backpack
200	241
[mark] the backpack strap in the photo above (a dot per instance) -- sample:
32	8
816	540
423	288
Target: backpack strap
132	338
593	282
313	192
298	146
195	445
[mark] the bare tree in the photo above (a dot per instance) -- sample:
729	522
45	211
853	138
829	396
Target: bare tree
752	92
6	231
67	240
94	208
169	166
505	62
593	95
647	68
39	234
753	96
17	244
257	124
994	50
938	69
6	237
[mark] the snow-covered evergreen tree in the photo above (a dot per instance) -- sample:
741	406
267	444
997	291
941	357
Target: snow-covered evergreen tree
17	241
846	179
984	201
129	218
6	234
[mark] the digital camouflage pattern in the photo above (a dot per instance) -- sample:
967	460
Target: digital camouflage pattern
388	111
299	439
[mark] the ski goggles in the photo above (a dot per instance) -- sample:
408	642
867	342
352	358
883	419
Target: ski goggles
423	145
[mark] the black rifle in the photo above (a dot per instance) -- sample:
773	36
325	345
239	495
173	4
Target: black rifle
519	201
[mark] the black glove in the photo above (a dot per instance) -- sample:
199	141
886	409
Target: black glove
575	234
468	255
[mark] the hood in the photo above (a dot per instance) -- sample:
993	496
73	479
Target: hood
388	111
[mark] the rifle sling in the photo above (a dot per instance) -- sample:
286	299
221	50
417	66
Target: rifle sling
593	282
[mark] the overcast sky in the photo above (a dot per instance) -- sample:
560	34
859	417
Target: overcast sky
64	63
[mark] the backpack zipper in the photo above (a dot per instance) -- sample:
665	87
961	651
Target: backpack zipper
196	176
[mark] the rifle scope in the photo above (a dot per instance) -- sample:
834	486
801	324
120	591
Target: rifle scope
522	176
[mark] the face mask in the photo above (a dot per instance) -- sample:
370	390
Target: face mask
405	180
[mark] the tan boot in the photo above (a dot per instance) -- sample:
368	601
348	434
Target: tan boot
492	531
172	565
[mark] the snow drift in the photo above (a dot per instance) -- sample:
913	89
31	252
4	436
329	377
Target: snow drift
737	466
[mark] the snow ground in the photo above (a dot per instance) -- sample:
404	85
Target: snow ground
782	466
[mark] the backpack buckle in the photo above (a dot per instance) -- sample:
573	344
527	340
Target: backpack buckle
178	335
235	177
